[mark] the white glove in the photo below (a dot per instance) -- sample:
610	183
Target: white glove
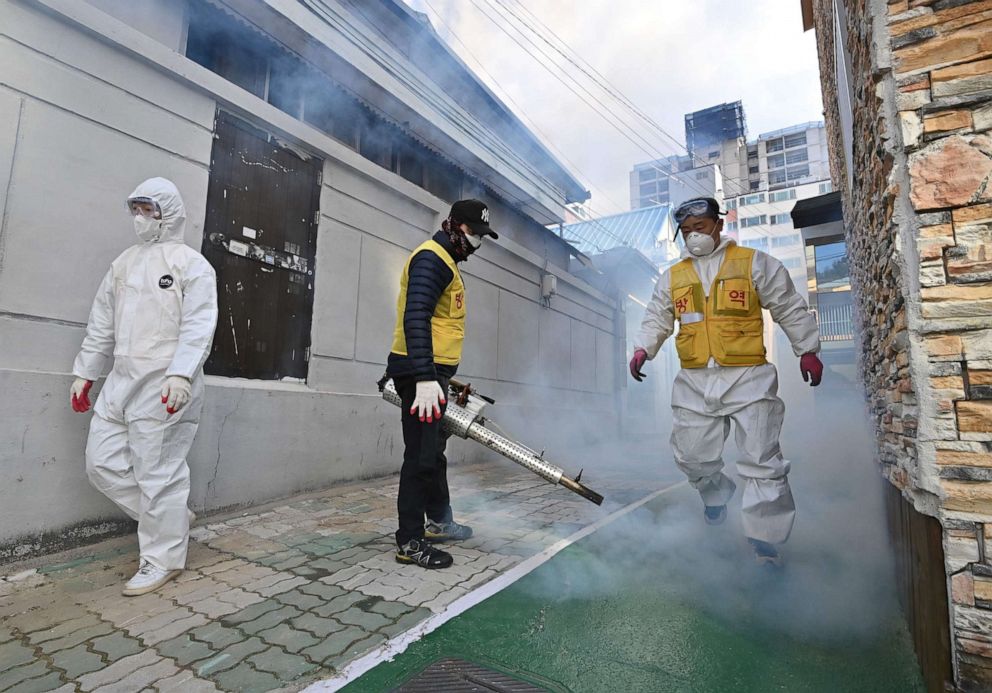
175	393
428	401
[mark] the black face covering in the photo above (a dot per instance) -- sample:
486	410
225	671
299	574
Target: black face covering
462	248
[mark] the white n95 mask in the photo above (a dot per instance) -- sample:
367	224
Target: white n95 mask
148	229
700	244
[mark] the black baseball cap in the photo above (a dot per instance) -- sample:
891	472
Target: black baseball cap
475	213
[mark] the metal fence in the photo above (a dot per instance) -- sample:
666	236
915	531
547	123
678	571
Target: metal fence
836	322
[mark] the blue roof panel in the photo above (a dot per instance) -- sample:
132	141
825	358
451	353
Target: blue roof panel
641	229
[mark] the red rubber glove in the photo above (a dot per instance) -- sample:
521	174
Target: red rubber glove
80	395
811	368
637	363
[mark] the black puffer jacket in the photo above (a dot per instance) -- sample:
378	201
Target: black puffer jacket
429	276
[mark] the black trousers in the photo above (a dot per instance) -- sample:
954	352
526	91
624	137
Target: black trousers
424	475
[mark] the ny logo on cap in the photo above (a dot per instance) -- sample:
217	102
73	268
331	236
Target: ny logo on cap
485	214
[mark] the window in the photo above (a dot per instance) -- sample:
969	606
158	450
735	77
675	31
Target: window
775	177
444	182
755	184
701	175
781	219
228	49
752	199
331	111
752	153
375	141
752	169
754	221
793	262
776	161
411	163
713	155
826	187
774	146
759	243
732	226
831	266
647	175
797	140
731	204
797	156
789	194
797	172
786	241
648	189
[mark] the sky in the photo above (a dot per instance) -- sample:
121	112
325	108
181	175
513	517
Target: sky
667	57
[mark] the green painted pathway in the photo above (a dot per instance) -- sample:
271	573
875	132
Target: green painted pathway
659	602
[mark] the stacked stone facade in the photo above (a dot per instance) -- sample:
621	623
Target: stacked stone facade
918	215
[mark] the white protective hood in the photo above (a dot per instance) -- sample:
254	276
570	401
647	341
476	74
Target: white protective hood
164	193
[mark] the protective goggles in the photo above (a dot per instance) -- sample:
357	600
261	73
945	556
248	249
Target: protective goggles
135	211
695	208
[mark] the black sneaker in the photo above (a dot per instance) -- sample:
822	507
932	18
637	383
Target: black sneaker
715	514
421	553
446	531
765	554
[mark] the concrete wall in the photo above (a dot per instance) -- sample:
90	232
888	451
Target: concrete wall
82	121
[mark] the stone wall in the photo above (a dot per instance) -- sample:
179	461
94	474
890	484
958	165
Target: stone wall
919	220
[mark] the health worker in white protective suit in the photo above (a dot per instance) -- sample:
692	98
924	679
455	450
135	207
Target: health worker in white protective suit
716	292
155	311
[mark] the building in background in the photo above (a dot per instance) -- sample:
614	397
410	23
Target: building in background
788	157
718	135
758	181
907	88
672	181
763	220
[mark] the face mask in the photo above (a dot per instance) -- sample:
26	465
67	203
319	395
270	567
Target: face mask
474	241
148	229
700	244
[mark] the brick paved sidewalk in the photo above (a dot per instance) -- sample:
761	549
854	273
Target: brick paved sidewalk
275	597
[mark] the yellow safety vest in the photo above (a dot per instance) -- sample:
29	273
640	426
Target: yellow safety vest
725	325
448	321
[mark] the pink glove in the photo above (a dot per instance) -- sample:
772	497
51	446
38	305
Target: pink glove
637	363
80	395
811	368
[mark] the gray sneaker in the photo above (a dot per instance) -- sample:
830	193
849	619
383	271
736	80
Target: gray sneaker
765	554
715	514
446	531
420	552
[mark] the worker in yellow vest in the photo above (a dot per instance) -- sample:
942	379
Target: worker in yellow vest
426	350
716	293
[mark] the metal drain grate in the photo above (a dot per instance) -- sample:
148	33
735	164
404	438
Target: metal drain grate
459	676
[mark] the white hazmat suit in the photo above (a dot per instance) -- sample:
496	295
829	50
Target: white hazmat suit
155	311
706	400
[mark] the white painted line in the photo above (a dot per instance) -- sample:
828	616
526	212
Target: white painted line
399	643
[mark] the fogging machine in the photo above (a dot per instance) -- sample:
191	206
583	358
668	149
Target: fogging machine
463	417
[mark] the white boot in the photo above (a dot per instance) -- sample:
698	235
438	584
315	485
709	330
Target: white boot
148	579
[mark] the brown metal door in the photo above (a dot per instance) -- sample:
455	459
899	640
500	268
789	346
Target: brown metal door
260	235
